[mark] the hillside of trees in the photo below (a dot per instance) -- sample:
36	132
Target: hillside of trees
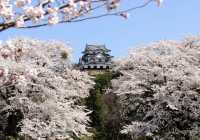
159	91
152	94
40	91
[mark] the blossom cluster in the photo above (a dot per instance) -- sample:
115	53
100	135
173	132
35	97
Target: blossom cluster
52	11
158	90
37	80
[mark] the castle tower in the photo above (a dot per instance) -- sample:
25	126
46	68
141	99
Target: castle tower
96	57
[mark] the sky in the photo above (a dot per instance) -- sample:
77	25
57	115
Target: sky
174	20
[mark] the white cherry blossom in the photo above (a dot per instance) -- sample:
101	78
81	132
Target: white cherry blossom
158	90
44	88
66	11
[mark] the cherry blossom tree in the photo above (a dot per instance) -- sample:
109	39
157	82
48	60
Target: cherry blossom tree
36	13
159	91
38	83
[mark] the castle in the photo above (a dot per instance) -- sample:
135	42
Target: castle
95	57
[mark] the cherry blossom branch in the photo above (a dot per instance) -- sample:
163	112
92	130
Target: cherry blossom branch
48	13
119	13
71	20
4	26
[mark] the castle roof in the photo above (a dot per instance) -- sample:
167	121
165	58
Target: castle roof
95	47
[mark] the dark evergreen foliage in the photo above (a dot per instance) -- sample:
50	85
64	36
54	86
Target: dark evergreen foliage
105	119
